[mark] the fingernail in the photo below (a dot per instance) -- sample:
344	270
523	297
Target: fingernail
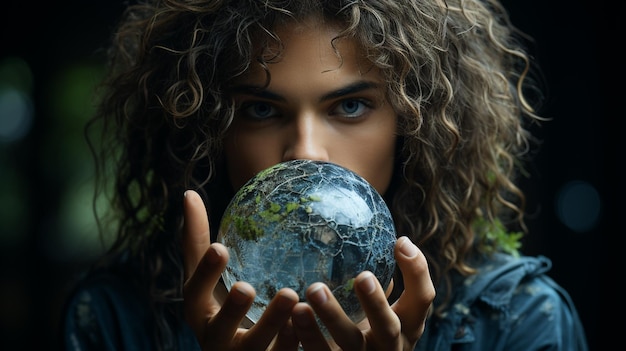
367	284
285	303
317	294
407	248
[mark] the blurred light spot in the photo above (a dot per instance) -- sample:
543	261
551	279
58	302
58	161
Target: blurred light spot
16	104
71	93
78	238
16	115
68	101
578	206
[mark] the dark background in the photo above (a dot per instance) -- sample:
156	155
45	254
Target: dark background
50	55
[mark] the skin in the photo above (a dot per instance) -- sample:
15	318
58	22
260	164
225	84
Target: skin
315	107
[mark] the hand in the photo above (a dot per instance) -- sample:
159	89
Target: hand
214	314
396	327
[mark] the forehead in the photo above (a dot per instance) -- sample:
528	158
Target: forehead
313	44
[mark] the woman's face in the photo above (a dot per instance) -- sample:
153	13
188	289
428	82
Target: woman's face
319	106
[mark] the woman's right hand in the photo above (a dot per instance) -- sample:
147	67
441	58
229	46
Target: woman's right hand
214	314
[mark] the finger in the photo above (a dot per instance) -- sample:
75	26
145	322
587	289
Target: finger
384	323
389	288
196	236
306	328
343	330
274	318
199	302
222	328
419	292
286	340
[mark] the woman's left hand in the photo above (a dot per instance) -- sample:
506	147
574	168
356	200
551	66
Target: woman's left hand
395	327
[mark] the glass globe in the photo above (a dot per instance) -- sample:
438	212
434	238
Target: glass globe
301	222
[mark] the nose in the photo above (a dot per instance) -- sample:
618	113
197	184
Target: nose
308	138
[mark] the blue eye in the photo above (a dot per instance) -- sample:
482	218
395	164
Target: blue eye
351	108
259	110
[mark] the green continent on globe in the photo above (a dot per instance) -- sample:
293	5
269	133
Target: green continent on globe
250	229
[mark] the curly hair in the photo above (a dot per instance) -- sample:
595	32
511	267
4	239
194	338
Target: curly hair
458	78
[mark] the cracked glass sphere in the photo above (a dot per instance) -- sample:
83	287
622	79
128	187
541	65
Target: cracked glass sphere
301	222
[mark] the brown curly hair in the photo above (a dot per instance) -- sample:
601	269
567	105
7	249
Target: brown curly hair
457	74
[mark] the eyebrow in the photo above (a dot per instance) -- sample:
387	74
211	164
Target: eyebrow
262	93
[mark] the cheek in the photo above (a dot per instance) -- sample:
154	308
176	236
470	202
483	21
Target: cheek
379	151
371	155
380	168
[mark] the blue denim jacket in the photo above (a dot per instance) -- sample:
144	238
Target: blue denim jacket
510	305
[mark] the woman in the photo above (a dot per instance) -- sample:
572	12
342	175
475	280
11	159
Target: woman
429	101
